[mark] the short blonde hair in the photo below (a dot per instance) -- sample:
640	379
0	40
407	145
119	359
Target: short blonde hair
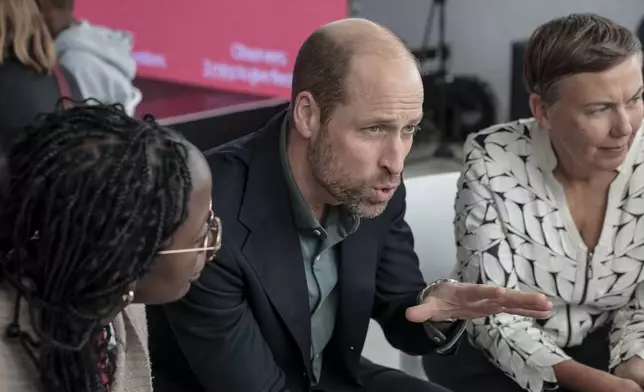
572	44
24	34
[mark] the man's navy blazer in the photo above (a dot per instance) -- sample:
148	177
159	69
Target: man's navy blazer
245	325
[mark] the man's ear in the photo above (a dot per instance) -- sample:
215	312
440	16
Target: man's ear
305	115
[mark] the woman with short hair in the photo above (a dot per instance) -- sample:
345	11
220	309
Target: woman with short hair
555	204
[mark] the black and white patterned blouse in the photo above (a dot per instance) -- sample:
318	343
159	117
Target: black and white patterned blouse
514	229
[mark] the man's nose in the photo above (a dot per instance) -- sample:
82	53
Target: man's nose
393	158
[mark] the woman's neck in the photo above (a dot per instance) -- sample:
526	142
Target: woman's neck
584	178
571	171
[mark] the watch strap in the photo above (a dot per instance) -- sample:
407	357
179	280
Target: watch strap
444	339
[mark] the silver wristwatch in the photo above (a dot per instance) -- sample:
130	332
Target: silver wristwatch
448	334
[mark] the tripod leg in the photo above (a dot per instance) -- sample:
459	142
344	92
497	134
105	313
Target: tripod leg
444	151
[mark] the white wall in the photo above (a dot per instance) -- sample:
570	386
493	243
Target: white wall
480	31
430	213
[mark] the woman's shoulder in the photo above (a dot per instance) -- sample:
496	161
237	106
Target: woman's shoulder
12	66
17	371
513	149
515	136
133	358
20	80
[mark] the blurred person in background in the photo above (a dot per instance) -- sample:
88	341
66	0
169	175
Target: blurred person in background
30	80
99	58
98	211
555	205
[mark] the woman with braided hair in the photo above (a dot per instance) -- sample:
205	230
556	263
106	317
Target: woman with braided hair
98	211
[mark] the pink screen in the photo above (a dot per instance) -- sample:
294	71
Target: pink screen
240	45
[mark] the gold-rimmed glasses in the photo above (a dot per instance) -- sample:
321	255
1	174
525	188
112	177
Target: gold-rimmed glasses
214	232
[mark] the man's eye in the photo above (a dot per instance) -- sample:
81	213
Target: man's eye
412	129
374	129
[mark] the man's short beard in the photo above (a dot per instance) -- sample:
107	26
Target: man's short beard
329	175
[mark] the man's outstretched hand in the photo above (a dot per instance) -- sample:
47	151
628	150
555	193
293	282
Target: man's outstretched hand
467	301
632	369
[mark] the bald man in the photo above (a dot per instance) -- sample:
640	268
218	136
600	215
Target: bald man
315	242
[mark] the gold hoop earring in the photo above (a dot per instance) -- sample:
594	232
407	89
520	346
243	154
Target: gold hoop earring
128	297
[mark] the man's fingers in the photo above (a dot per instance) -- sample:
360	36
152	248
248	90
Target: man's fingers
479	309
514	299
528	313
469	293
492	309
508	298
467	301
421	313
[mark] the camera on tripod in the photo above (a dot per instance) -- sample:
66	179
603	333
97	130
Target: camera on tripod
455	105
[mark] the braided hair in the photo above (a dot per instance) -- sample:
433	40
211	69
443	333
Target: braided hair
93	195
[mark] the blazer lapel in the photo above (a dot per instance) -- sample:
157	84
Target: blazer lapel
273	247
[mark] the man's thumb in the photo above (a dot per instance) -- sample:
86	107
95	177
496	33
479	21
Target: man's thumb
421	313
